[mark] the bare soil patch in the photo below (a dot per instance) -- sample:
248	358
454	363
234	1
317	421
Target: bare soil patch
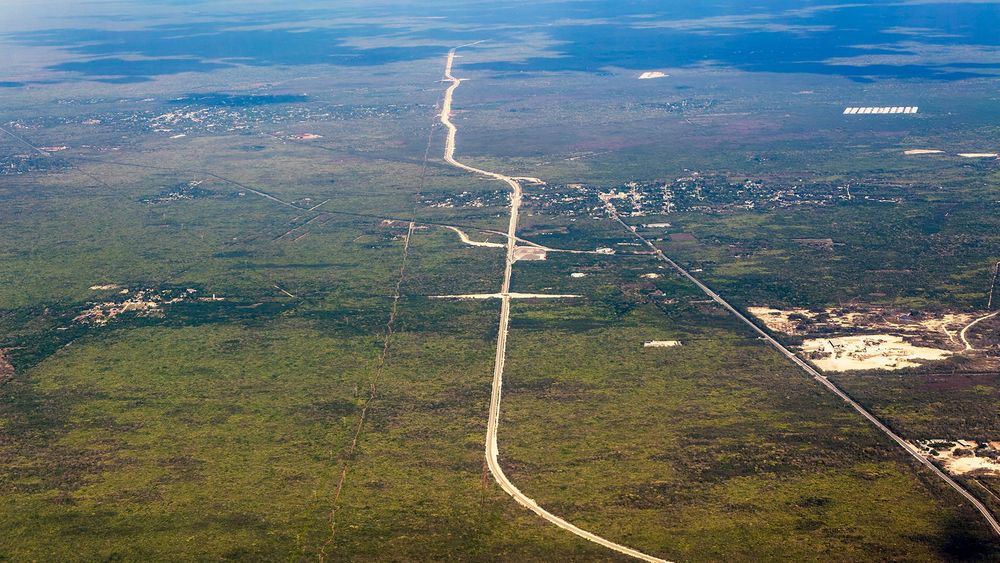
963	457
867	352
661	343
940	329
866	337
529	253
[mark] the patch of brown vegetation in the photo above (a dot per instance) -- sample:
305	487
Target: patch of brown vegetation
957	381
820	243
6	368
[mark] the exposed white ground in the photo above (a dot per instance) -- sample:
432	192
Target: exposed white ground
778	319
876	319
104	287
661	343
868	351
465	239
961	457
528	253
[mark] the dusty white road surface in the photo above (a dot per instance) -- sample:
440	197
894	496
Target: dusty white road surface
465	238
968	346
492	450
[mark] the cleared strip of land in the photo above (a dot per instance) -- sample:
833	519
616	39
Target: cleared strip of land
492	449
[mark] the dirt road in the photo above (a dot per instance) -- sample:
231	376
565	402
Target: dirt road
492	449
465	239
968	346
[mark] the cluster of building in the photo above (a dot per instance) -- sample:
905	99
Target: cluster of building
145	302
872	110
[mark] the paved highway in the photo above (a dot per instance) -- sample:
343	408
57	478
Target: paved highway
492	449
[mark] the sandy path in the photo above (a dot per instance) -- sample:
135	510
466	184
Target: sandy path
492	449
390	328
910	449
993	286
465	238
968	346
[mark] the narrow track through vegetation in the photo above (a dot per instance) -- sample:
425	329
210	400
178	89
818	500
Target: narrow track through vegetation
373	383
376	377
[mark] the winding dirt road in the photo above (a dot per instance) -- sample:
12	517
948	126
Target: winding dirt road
492	449
968	346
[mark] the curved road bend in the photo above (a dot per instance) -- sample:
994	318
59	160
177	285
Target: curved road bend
968	346
492	450
815	375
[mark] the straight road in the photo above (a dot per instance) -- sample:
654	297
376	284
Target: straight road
990	520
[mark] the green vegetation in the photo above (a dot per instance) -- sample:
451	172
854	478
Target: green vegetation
718	449
218	429
115	449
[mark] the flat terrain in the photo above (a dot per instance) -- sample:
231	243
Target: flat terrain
225	322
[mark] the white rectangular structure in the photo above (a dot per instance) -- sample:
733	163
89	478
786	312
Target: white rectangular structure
879	110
